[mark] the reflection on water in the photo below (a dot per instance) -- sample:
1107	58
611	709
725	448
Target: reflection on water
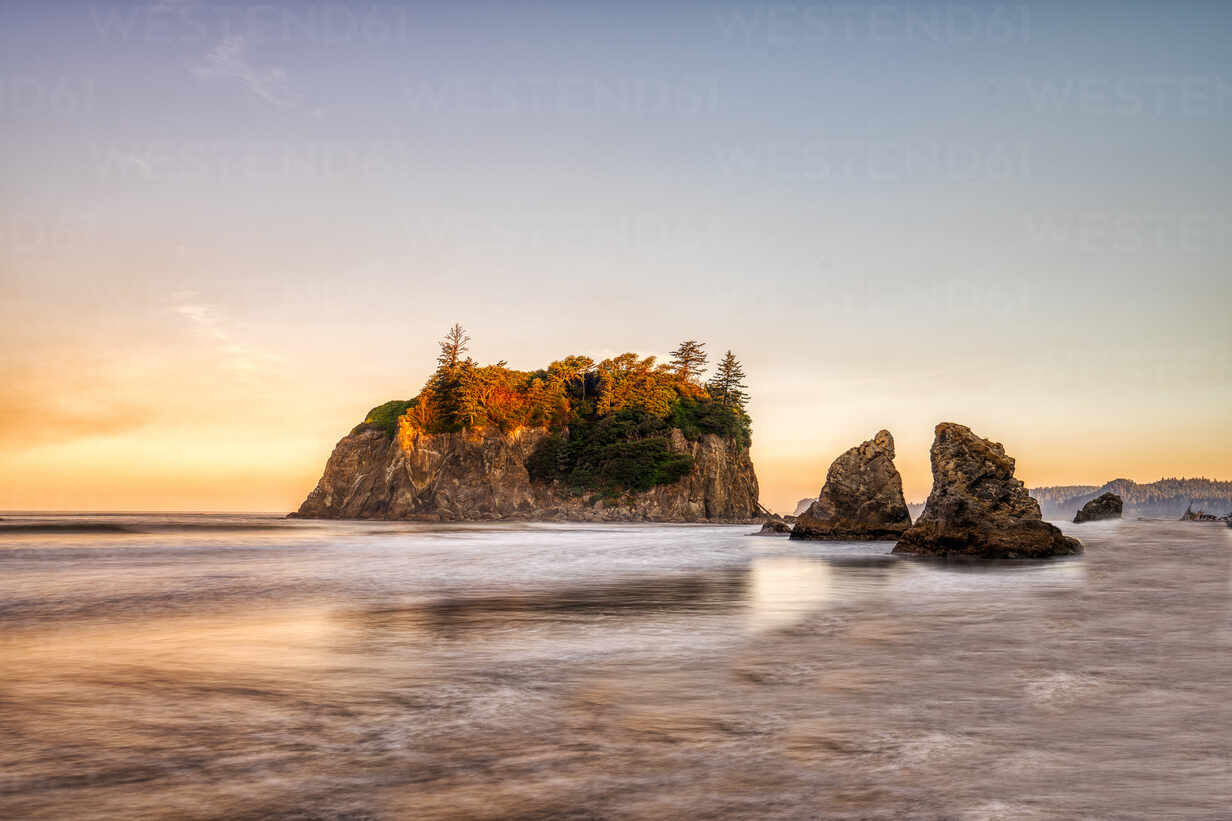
249	667
784	589
620	600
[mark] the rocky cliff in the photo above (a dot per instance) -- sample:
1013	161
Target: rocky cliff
481	474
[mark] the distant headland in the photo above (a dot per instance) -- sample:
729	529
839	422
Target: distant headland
1164	499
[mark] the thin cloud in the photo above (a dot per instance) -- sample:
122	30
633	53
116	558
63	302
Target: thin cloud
211	325
229	59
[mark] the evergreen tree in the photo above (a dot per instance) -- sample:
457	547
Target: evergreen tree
446	383
470	393
689	360
727	386
453	346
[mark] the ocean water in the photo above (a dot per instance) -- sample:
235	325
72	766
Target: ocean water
210	667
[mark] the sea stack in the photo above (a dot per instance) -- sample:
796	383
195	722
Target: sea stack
1107	506
862	498
977	508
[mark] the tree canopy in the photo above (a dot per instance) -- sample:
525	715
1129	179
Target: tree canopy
574	390
610	421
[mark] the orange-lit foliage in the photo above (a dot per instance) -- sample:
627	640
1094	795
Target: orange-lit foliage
466	396
463	395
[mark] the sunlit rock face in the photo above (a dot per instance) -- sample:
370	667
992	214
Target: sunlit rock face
862	498
476	475
1107	506
977	508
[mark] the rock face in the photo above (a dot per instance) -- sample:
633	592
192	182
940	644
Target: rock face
861	499
977	508
482	475
1107	506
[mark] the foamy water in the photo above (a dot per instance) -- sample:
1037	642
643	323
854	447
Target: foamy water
255	667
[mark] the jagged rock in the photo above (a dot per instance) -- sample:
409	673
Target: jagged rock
474	475
977	508
862	498
1107	506
1191	515
803	505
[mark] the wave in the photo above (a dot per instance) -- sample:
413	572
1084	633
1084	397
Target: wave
114	527
65	527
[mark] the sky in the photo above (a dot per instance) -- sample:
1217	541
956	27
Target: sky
228	230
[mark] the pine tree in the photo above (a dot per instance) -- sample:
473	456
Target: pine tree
689	360
446	382
470	394
453	346
727	386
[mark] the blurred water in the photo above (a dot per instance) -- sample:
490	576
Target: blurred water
257	667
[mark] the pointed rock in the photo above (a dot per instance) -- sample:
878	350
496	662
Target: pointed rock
862	498
977	508
1107	506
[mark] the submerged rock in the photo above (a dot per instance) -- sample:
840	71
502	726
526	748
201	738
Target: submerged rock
1107	506
1191	515
862	498
775	527
977	508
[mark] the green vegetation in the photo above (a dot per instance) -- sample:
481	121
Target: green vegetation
695	417
611	422
385	417
628	450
